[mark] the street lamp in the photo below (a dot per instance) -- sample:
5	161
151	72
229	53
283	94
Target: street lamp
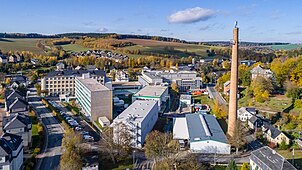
133	158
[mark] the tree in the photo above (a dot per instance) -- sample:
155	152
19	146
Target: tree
38	87
261	88
71	157
159	145
174	87
221	80
226	64
245	166
220	110
238	140
7	81
232	165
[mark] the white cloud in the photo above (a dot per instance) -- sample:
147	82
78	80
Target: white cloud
102	29
191	15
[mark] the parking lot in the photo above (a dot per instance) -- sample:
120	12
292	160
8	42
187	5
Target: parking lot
76	122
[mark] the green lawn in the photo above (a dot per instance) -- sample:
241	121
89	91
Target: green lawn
275	104
24	44
288	155
74	47
203	99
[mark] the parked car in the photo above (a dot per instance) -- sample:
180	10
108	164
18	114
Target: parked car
69	118
84	133
88	137
78	128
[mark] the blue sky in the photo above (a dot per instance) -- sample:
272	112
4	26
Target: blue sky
197	20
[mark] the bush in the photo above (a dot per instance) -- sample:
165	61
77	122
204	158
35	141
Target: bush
298	103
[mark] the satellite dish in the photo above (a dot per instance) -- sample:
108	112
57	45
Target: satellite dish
236	23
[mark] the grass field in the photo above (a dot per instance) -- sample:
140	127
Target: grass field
286	47
288	155
179	49
74	47
276	103
24	44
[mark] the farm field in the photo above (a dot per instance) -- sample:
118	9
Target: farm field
179	49
74	47
24	44
286	47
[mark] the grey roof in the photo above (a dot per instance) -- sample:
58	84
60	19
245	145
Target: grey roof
274	131
259	70
14	141
267	158
17	103
227	83
11	94
19	78
76	73
15	121
197	129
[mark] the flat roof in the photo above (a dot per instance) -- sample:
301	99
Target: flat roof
92	84
137	111
154	91
199	127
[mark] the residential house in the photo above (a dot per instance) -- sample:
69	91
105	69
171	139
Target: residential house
274	135
15	102
259	71
11	152
121	76
266	158
226	87
19	124
245	113
60	66
12	59
17	80
3	59
255	122
247	62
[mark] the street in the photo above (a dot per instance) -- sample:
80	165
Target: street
213	93
51	153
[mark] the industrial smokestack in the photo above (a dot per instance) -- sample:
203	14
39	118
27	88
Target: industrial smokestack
232	119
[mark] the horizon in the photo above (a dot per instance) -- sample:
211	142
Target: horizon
259	21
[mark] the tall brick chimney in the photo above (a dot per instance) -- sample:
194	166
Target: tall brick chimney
232	119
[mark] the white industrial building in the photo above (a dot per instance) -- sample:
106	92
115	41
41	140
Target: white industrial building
157	93
185	80
138	119
203	133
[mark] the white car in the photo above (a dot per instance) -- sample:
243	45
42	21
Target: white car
88	137
84	133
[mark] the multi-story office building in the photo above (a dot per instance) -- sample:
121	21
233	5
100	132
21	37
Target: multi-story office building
137	120
63	82
94	98
157	93
186	80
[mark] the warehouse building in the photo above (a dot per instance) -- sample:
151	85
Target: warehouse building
94	98
138	120
202	132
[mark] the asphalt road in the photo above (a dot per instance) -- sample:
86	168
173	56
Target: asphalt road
217	95
50	157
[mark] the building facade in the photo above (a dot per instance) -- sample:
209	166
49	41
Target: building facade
259	71
94	98
245	113
137	120
11	152
63	82
185	80
156	93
